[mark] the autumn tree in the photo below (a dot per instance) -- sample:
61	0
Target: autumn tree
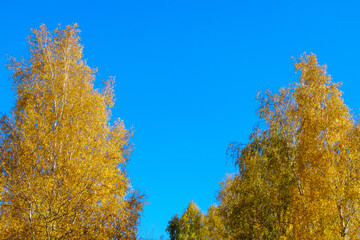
194	225
298	177
190	226
214	224
62	163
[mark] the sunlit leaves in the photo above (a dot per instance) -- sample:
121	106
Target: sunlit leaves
63	164
193	225
298	175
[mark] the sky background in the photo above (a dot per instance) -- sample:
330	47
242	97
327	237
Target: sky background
187	74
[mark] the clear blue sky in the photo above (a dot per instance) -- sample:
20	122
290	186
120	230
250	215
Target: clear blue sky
187	73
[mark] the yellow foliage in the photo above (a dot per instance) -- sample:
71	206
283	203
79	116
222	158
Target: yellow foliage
63	164
193	225
299	175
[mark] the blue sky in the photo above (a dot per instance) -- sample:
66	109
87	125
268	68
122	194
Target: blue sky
187	73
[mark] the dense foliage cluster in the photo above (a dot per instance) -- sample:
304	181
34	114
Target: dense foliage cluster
62	164
298	177
194	225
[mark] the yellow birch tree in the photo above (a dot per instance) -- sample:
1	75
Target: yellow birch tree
193	225
298	178
62	163
190	226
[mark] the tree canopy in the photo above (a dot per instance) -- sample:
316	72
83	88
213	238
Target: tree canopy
194	225
298	177
63	165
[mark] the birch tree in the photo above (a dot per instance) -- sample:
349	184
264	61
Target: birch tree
63	164
298	177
